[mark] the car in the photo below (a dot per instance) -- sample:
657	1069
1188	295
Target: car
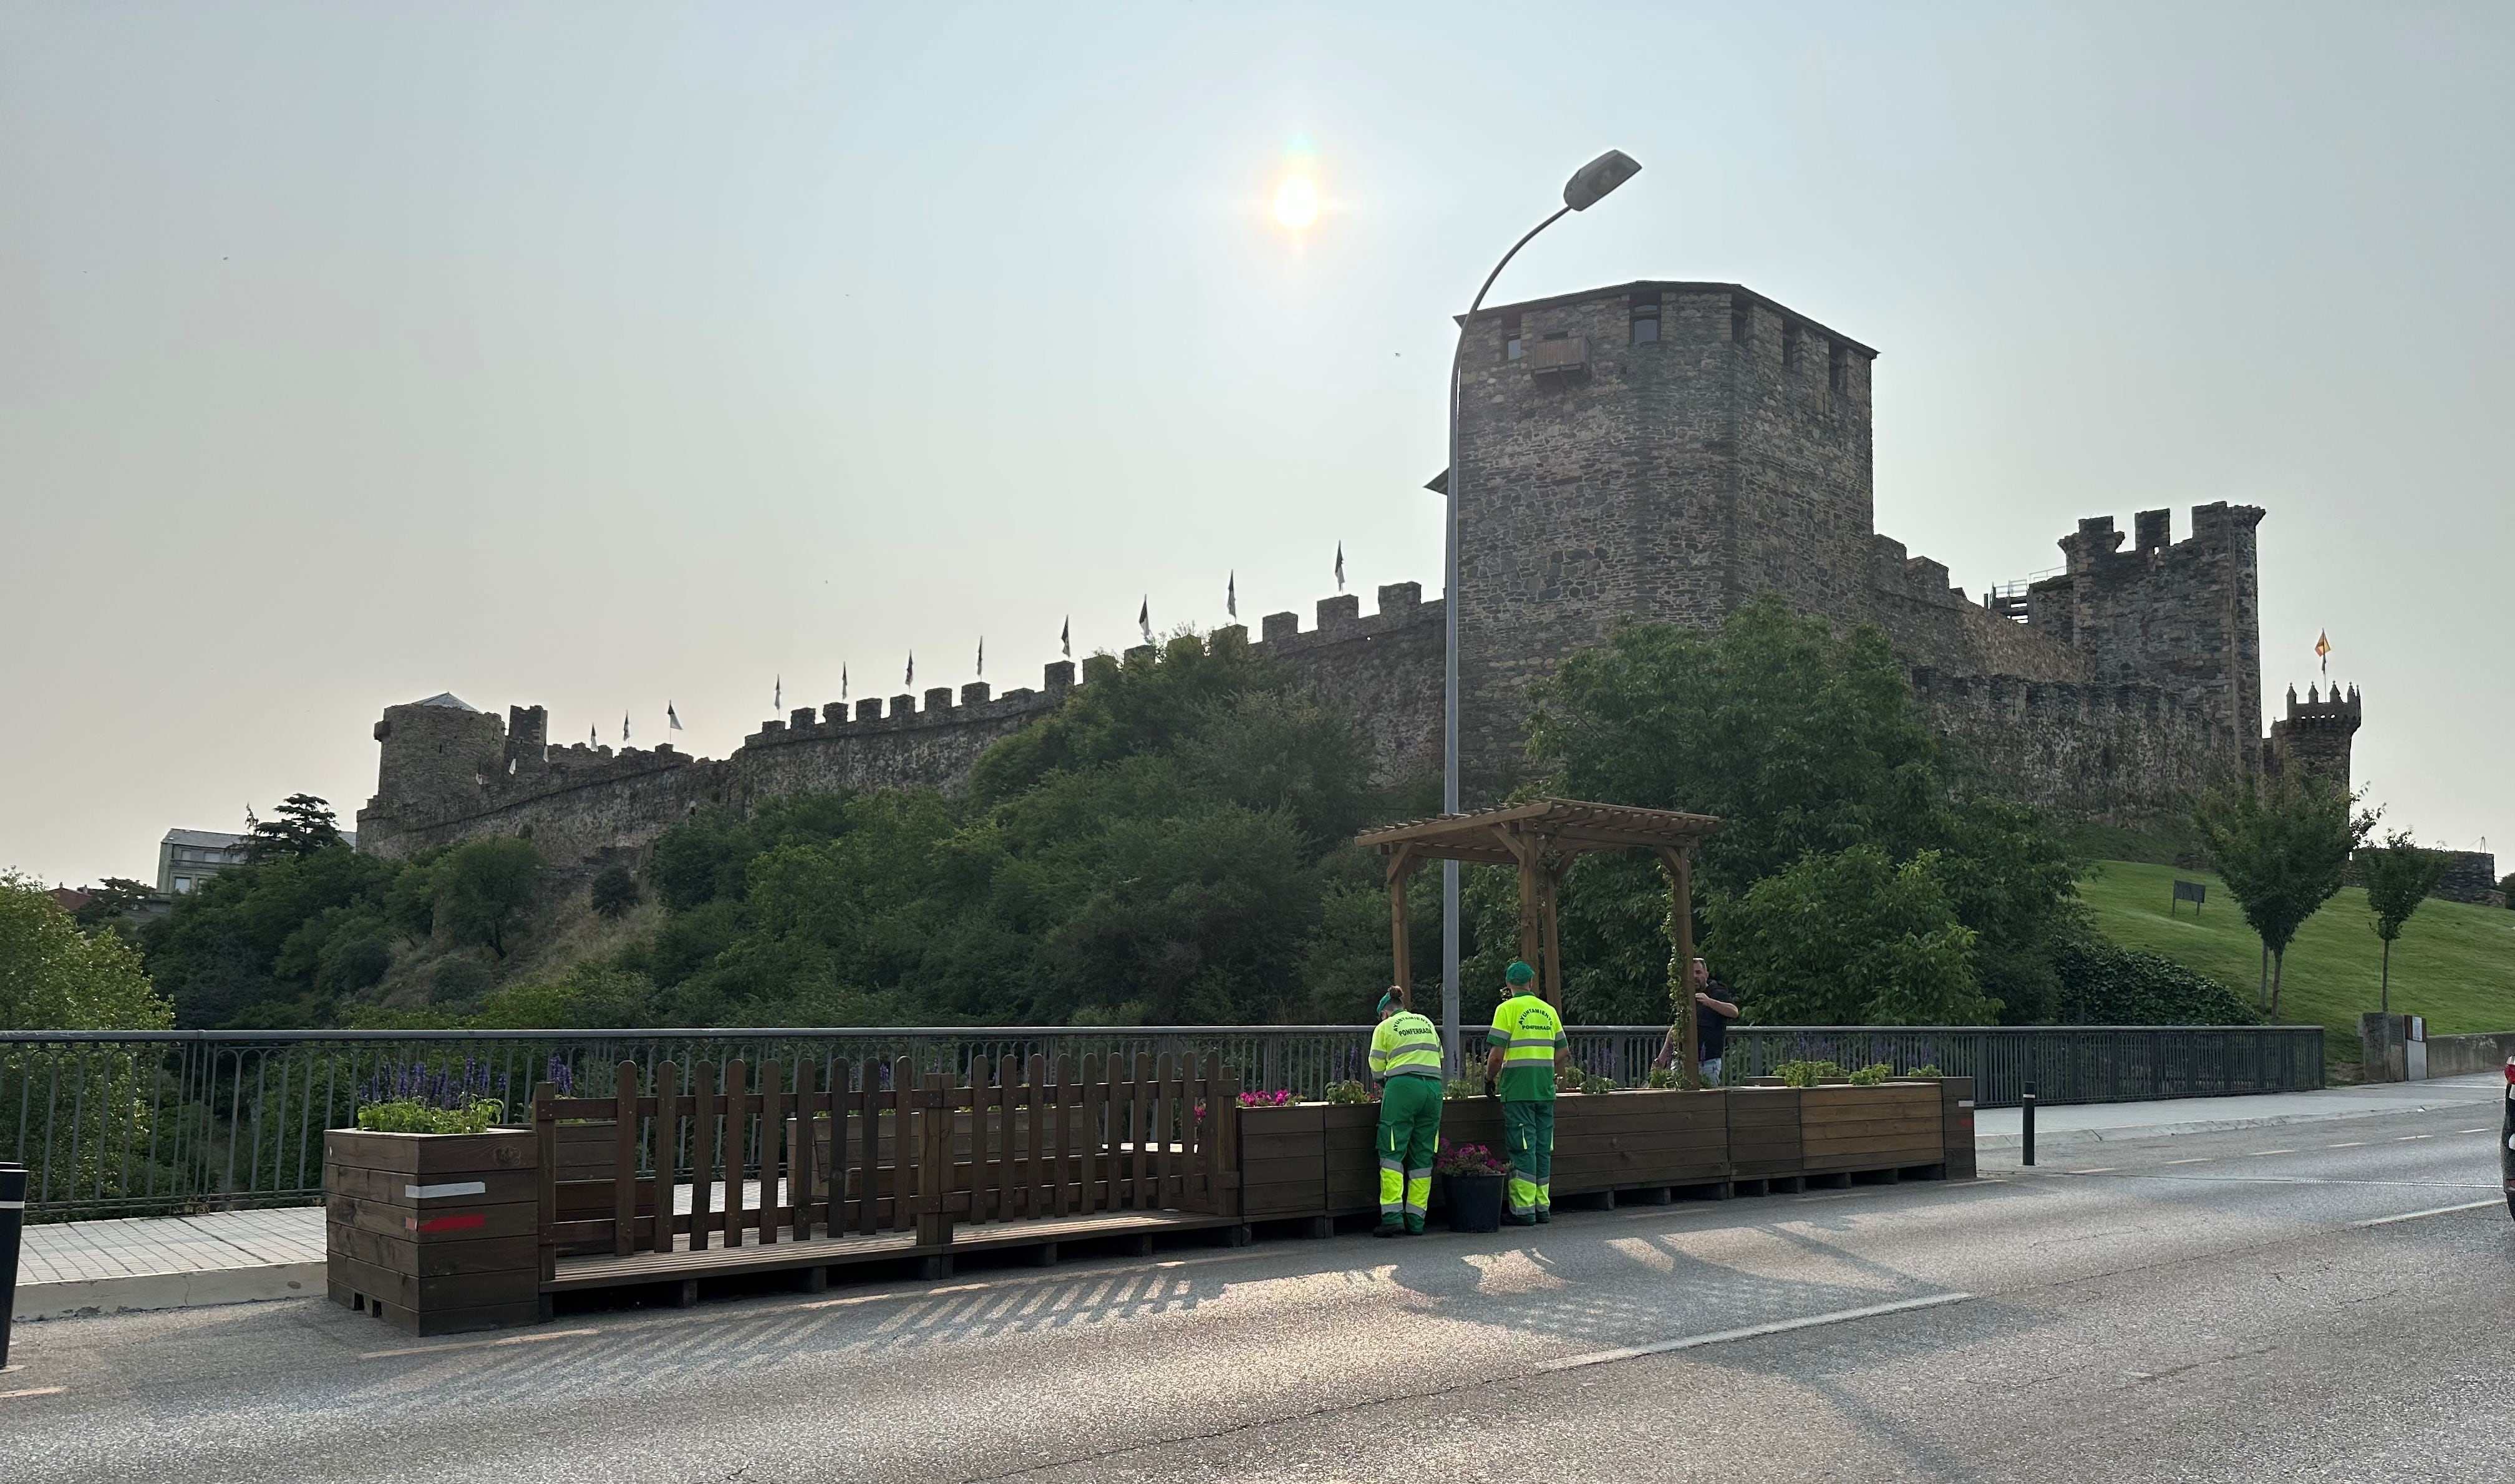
2506	1141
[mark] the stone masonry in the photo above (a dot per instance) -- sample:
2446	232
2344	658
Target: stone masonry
1655	450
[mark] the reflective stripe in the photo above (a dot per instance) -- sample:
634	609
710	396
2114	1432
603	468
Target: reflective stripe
1416	1046
1419	1175
1387	1162
1432	1072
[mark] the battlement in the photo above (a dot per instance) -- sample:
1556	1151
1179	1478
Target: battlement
974	702
2314	739
2315	711
1341	618
2096	546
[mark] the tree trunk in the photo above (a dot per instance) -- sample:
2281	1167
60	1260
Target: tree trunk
2386	1004
2262	991
2279	961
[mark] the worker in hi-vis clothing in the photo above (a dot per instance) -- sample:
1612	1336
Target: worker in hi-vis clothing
1527	1045
1406	1062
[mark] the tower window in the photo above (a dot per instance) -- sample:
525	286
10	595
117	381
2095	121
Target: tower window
1511	348
1645	320
1742	318
1790	347
1838	369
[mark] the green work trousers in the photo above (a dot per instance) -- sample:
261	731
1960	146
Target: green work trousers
1410	1130
1528	1129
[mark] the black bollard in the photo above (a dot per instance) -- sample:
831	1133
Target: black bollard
2027	1106
13	1217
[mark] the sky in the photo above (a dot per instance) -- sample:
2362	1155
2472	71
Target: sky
607	356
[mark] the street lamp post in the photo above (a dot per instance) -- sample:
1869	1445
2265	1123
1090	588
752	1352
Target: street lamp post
1588	186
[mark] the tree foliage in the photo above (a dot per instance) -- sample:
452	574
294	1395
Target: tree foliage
1807	745
302	825
614	892
52	977
2105	985
483	888
1853	938
2283	847
2398	874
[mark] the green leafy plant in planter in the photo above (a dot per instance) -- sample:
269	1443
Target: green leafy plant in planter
409	1115
1349	1092
1589	1081
1872	1074
1807	1074
1662	1079
1925	1069
1273	1098
1470	1083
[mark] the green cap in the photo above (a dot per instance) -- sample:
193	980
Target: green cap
1386	1000
1519	972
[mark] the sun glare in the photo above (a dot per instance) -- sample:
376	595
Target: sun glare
1296	202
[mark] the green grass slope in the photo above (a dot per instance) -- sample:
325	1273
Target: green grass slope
2454	963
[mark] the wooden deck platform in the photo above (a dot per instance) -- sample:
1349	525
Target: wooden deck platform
822	1251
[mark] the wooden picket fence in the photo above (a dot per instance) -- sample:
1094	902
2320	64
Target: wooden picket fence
870	1154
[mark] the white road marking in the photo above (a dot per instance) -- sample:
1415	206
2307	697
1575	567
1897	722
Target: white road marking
2263	1153
2412	1216
478	1344
2355	1143
2197	1160
2475	1130
2406	1138
7	1396
2102	1169
1751	1332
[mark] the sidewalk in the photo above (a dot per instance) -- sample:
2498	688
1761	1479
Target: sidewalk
67	1269
2097	1123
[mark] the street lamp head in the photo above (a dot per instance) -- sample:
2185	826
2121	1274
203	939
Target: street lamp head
1591	184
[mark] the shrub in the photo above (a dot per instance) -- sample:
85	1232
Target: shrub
1662	1077
614	892
1807	1074
1349	1092
1925	1069
410	1115
1872	1074
1471	1083
2105	985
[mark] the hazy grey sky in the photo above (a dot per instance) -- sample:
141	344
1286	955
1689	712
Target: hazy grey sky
606	356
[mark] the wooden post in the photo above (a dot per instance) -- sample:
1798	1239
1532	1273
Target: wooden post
546	1178
1679	865
1525	852
1552	889
624	1160
1401	868
935	1159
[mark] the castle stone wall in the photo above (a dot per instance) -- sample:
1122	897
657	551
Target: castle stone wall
2125	754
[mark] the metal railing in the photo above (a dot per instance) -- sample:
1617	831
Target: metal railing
120	1123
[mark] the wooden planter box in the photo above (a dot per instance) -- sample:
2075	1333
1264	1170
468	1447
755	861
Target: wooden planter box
1892	1125
1765	1133
436	1232
1640	1140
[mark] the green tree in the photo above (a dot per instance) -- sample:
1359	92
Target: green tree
484	887
614	892
52	977
1851	937
110	901
1805	743
2399	876
302	825
2283	848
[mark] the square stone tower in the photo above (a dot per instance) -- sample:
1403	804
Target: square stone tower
1654	451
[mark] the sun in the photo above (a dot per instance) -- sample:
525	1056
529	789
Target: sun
1296	202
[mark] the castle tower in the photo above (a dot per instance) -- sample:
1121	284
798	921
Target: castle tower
2182	617
2313	739
1658	451
436	759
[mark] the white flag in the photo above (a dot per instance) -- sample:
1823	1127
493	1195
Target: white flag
982	656
672	718
1339	567
1065	636
1145	618
1231	594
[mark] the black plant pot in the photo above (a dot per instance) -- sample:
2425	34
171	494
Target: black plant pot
1475	1202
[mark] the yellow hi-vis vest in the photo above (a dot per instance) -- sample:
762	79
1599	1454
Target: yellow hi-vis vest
1529	1034
1406	1044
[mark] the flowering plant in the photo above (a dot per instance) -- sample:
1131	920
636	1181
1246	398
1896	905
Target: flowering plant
1469	1159
1276	1098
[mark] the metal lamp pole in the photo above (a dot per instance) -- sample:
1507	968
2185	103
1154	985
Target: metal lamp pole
1588	186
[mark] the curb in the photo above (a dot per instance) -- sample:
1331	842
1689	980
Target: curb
82	1298
2046	1138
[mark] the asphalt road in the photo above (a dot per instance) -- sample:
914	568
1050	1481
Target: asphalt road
2204	1307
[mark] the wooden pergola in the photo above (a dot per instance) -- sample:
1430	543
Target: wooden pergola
1540	841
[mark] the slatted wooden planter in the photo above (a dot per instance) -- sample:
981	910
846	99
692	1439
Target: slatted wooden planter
1640	1140
1764	1134
434	1232
1846	1129
1283	1162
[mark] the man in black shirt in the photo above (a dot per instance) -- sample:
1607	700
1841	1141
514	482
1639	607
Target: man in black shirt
1715	1006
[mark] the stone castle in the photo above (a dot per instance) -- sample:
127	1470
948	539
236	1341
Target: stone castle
1656	451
